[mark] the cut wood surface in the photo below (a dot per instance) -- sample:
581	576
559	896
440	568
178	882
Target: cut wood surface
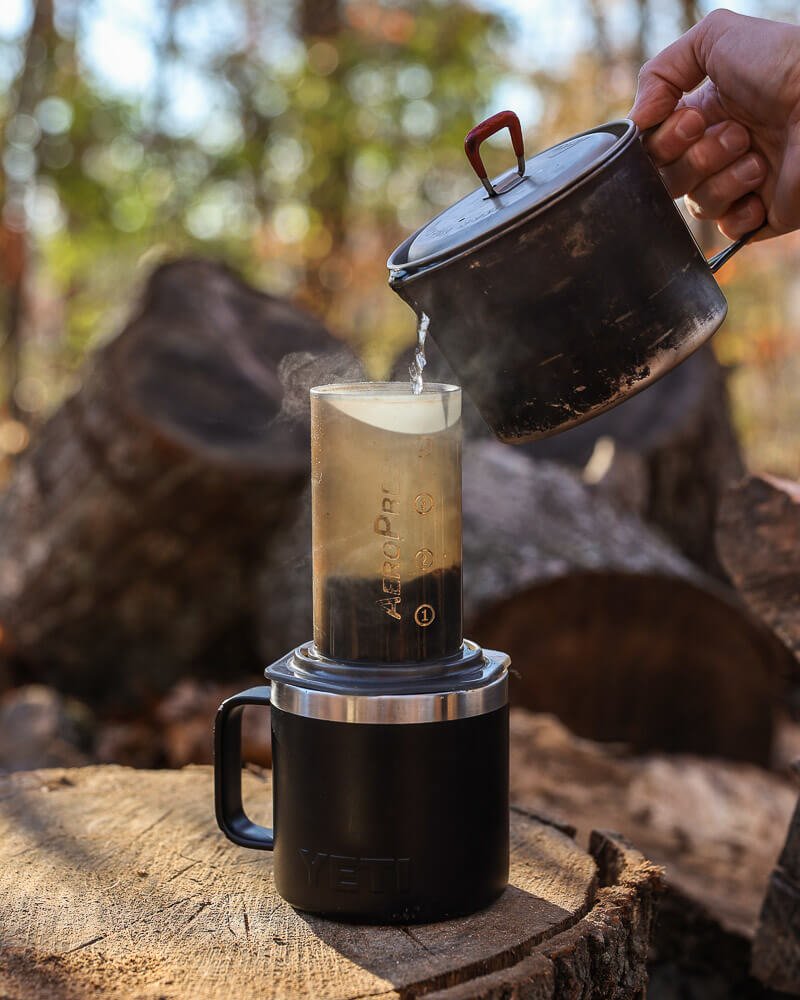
663	664
116	883
131	530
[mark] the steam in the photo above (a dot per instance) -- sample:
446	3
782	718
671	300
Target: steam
300	371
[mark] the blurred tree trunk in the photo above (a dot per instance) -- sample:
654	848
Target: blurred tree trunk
29	88
690	13
319	18
322	20
597	11
766	574
639	55
165	50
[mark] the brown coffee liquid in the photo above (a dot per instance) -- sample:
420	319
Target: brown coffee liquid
358	620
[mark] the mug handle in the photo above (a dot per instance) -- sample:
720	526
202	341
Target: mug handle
231	817
724	255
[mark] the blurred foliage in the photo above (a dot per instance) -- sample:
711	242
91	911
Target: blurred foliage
315	158
301	141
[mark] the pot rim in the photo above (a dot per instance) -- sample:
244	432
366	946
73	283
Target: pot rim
406	271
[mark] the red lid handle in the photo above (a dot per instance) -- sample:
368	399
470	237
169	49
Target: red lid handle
472	144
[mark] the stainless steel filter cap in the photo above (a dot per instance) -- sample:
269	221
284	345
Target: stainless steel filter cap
481	687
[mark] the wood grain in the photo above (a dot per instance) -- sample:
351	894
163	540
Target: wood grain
117	883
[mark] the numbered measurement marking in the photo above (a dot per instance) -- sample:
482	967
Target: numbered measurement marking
423	503
424	558
424	615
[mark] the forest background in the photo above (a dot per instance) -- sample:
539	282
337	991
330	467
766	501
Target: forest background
300	142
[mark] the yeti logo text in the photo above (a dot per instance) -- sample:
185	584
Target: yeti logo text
347	874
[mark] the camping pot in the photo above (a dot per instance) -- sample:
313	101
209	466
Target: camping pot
564	286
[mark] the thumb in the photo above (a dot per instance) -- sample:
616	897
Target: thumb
664	79
784	211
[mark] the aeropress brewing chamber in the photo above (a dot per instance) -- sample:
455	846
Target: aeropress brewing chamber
389	730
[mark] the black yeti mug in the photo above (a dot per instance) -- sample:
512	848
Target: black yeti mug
389	731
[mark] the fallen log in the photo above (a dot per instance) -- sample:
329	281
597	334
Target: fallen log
132	529
133	539
116	883
40	727
525	523
716	827
668	452
608	626
679	435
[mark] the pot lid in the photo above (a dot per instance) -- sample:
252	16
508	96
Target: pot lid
513	194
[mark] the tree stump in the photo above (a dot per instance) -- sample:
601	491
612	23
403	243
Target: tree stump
116	883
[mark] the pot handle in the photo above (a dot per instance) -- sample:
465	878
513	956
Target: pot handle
724	255
472	145
716	262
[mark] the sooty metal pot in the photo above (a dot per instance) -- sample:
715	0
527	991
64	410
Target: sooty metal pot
565	286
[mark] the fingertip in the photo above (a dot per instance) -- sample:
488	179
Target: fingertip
732	136
675	135
689	125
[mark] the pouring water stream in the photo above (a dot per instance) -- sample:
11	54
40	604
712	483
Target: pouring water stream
417	366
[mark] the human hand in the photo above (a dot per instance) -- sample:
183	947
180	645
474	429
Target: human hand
731	146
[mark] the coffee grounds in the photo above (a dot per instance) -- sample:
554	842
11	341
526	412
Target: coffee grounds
351	624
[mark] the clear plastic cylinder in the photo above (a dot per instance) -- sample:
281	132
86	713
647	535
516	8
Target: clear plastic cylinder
386	512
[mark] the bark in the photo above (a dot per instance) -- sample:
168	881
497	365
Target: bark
759	544
15	254
132	530
175	909
776	950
